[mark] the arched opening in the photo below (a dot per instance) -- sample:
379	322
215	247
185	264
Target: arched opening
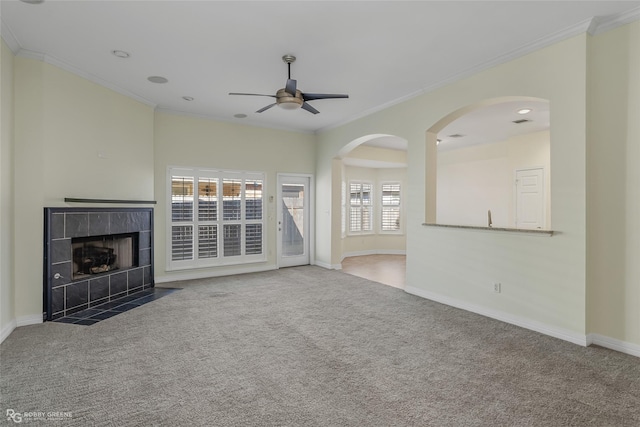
373	181
490	165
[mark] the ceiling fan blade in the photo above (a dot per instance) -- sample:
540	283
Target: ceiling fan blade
251	94
265	108
309	108
291	86
312	96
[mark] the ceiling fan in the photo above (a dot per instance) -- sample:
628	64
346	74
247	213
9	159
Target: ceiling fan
289	97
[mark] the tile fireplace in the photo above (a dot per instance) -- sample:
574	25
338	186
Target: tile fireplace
95	255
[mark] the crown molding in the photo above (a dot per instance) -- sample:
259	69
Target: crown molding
51	60
8	37
232	121
601	25
591	26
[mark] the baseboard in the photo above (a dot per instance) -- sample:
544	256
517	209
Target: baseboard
374	252
542	328
32	319
614	344
6	331
327	265
191	275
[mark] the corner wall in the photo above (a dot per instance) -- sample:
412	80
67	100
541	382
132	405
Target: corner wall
613	187
7	285
543	278
73	138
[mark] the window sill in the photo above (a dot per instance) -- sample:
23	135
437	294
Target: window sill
510	230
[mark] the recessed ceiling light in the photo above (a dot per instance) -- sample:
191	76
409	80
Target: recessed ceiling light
157	79
32	1
120	53
240	116
438	141
525	111
188	98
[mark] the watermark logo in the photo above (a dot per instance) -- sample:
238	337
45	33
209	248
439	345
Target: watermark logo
14	416
26	417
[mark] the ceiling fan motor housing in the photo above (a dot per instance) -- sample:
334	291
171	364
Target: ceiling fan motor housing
288	102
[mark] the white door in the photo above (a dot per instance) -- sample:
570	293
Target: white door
530	198
293	220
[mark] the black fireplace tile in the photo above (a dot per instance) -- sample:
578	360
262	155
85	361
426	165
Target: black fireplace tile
144	240
57	299
57	226
147	276
104	315
98	288
83	314
145	257
77	295
95	303
71	311
99	223
58	315
135	279
64	271
108	305
66	320
76	224
140	221
118	283
60	250
119	222
125	307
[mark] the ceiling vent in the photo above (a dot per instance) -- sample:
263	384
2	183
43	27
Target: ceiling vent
521	121
456	135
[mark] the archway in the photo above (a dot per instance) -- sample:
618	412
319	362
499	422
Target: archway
488	164
373	178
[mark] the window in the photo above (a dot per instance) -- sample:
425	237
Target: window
390	202
217	218
360	207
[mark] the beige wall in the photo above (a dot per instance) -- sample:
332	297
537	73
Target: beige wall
194	142
7	313
376	242
543	278
584	279
475	179
62	121
613	184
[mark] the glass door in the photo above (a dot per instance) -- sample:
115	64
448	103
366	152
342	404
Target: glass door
293	220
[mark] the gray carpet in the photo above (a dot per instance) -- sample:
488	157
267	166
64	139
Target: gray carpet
306	346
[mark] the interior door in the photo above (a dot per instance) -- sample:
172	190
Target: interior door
530	209
293	220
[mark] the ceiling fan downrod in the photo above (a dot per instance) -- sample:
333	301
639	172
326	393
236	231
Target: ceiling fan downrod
289	59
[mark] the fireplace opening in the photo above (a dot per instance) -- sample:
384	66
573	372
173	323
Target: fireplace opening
101	254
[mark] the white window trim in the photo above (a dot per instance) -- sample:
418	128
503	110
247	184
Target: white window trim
374	218
400	231
220	260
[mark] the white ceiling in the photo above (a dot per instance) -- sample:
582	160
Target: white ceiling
378	52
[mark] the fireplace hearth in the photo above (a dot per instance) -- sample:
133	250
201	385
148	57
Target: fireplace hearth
95	255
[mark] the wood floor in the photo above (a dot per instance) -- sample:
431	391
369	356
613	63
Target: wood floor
387	269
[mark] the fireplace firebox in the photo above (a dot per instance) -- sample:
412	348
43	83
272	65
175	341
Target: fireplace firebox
95	255
100	254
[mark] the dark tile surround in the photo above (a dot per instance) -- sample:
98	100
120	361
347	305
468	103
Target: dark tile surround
90	316
63	296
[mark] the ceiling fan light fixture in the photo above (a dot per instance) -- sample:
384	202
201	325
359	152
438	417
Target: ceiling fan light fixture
288	102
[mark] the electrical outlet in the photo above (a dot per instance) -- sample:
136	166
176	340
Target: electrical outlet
497	287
